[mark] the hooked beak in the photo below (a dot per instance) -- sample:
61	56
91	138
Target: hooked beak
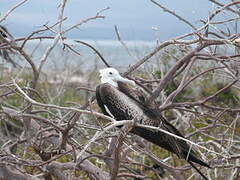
99	74
125	80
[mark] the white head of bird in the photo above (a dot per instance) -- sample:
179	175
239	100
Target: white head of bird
112	76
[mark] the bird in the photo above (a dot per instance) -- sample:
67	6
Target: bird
117	98
3	31
5	52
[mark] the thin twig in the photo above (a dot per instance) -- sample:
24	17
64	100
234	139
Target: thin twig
96	51
174	14
11	10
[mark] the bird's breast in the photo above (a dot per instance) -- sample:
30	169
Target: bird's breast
121	106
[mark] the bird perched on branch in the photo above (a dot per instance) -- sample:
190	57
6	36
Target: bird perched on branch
117	99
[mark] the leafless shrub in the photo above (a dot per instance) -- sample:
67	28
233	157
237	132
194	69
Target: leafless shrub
45	134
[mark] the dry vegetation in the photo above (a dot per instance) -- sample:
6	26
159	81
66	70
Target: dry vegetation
56	131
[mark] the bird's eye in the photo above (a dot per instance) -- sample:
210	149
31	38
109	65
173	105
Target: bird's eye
110	72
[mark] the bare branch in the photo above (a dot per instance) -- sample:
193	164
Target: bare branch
174	14
12	9
96	51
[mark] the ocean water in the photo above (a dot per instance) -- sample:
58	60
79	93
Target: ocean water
63	63
117	55
113	52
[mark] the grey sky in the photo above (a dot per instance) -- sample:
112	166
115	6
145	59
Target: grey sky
135	18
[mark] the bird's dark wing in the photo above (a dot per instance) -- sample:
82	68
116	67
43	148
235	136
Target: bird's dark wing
100	102
168	142
182	148
132	93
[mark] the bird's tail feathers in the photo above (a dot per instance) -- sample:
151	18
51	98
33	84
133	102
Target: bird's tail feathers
192	157
198	170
